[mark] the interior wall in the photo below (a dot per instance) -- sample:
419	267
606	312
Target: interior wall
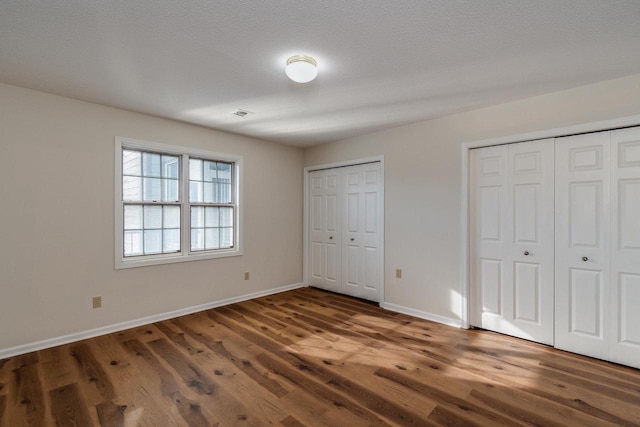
423	182
57	219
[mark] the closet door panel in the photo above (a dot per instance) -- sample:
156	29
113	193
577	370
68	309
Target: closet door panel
331	210
353	200
527	292
491	288
586	310
531	240
316	220
362	231
371	270
325	231
488	251
316	260
332	264
625	260
491	199
585	214
371	231
512	239
526	201
352	266
582	244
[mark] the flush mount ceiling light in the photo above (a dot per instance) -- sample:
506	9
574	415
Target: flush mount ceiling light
301	68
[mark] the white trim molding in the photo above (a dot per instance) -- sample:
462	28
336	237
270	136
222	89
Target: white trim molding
422	314
511	139
103	330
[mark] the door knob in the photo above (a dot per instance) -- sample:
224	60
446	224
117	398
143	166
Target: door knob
526	253
585	259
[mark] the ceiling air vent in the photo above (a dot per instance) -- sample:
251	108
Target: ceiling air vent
242	113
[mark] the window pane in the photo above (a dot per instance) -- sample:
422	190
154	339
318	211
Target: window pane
210	174
171	241
151	164
224	193
170	166
131	188
226	217
152	189
224	180
224	172
171	217
152	217
197	239
152	241
131	162
210	193
132	243
195	191
226	237
195	169
132	217
212	238
170	190
212	217
197	217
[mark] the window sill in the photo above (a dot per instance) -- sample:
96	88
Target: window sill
123	263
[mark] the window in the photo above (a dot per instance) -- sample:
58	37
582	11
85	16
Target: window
151	203
174	204
210	198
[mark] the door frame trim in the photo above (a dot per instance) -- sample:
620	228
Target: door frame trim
465	187
305	221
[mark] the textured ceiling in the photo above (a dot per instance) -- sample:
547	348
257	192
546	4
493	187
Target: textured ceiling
382	63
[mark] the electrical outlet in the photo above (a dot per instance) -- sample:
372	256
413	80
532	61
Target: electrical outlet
246	275
398	273
97	302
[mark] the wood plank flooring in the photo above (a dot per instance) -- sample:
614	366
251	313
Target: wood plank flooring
312	358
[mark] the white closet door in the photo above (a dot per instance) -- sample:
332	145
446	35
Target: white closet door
625	247
582	244
488	205
529	295
361	232
512	239
325	234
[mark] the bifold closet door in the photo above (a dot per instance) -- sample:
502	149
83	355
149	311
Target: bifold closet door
345	230
625	247
325	232
582	244
511	239
362	231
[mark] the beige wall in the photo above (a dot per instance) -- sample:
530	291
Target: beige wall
423	188
57	219
56	212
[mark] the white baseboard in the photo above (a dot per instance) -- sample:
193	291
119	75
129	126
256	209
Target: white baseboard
103	330
422	314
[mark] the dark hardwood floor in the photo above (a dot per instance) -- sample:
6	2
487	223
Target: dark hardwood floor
309	357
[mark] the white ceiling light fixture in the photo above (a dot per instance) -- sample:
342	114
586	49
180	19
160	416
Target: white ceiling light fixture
301	68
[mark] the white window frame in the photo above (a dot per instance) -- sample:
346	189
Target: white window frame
185	253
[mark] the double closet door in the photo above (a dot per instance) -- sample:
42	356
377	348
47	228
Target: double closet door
345	232
578	288
598	245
